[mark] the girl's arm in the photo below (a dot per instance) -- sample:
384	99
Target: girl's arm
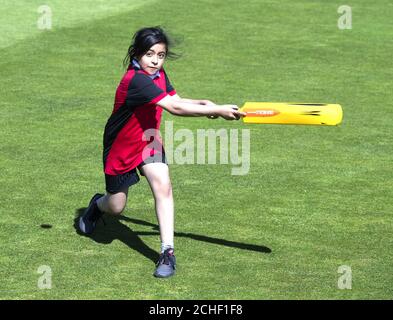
194	101
187	109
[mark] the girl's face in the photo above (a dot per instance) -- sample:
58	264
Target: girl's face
153	59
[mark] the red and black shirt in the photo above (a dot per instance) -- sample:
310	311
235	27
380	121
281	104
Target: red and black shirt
135	111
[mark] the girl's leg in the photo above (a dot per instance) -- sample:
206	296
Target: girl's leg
113	203
109	203
157	175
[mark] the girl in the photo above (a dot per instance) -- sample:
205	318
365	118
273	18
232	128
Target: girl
143	92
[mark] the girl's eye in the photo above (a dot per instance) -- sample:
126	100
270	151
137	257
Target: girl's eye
149	54
161	55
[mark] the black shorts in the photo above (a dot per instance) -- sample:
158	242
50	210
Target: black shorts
115	184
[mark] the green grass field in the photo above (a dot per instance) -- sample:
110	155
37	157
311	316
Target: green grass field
315	198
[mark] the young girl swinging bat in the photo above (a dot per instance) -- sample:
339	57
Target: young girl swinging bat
143	93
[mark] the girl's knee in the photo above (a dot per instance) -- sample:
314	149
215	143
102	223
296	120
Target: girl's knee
163	189
116	203
116	207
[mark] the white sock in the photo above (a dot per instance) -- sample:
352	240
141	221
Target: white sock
165	246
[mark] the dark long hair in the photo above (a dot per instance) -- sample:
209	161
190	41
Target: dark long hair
144	39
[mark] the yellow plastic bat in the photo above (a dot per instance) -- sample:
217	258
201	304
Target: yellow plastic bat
292	113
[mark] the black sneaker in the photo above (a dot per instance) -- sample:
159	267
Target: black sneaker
88	221
166	264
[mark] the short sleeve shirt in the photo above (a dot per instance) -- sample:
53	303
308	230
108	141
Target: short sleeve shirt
135	111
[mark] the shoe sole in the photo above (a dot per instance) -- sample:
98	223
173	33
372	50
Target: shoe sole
82	226
162	276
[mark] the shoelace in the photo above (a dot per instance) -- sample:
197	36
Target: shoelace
165	258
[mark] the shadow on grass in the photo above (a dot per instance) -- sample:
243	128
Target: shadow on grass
115	230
